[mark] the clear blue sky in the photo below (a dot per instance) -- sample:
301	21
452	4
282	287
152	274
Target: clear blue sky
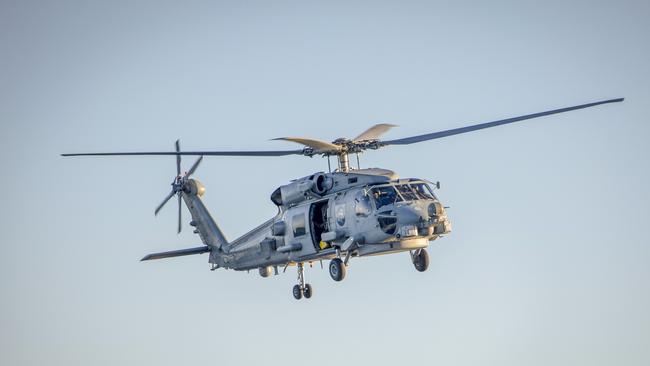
548	261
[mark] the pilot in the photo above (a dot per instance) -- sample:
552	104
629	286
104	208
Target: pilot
379	198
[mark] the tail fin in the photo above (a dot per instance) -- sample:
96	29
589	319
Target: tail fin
206	227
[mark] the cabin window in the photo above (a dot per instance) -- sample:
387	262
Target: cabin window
339	211
298	225
385	196
362	204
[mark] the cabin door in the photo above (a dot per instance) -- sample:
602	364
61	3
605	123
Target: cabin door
319	225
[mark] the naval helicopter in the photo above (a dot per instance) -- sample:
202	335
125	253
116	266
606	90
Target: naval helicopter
326	216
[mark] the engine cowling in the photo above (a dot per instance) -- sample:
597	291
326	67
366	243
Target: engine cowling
302	189
322	183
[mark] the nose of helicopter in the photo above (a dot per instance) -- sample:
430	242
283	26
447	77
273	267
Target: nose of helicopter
409	215
422	218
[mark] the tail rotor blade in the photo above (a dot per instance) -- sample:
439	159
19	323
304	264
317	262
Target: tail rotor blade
178	158
169	196
193	168
179	214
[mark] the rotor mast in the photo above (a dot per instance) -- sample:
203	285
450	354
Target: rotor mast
344	161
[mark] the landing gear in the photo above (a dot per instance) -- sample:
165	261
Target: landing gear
302	288
297	292
420	259
307	291
337	269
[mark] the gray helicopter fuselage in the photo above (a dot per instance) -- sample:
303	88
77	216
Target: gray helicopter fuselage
359	213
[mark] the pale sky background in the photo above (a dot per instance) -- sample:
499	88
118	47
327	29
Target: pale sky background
549	260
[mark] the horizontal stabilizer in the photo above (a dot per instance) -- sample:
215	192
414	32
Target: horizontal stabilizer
176	253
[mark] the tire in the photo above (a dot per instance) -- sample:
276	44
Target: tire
337	269
421	261
307	291
297	292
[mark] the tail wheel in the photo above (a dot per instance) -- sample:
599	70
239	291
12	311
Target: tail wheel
421	260
337	269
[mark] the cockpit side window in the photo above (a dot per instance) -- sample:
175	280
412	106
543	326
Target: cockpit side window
362	204
423	191
406	192
385	196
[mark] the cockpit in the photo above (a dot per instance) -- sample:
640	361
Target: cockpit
420	214
390	194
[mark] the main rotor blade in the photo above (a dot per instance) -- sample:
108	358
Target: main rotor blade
178	158
179	214
170	195
194	166
319	146
196	153
456	131
374	132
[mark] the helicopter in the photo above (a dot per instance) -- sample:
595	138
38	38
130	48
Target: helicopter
326	216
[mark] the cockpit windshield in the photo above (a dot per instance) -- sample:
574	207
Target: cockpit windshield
385	196
423	191
406	192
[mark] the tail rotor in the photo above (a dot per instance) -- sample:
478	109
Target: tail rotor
179	184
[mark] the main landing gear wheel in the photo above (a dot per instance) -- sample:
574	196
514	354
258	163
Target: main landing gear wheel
337	269
297	292
421	260
302	288
307	291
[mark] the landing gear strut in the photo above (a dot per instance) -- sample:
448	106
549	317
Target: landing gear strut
420	259
302	288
